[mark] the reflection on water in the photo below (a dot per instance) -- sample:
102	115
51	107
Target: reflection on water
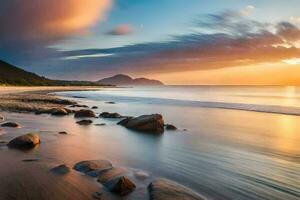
225	154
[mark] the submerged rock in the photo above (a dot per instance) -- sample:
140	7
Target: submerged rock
85	122
111	174
163	189
102	124
11	125
110	115
29	140
146	123
93	167
95	107
170	127
141	175
110	102
84	113
61	169
121	186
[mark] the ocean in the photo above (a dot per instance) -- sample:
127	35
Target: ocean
231	143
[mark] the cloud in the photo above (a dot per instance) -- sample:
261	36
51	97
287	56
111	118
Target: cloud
294	20
29	27
122	29
247	10
231	40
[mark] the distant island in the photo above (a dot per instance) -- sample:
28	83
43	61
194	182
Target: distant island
122	79
14	76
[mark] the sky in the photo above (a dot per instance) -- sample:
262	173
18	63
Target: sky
248	42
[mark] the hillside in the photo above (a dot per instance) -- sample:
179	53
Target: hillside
122	79
11	75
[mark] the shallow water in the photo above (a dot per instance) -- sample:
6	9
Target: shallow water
224	154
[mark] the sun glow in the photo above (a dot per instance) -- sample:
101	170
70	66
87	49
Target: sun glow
293	61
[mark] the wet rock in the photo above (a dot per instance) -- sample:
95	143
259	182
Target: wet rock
62	133
93	167
102	124
78	106
170	127
97	195
2	118
84	113
85	122
121	186
61	169
95	107
141	175
31	160
29	140
110	102
163	189
146	123
11	125
111	174
110	115
59	112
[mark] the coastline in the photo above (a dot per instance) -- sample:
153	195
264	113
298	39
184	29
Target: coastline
29	174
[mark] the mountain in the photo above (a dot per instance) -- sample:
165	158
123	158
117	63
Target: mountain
122	79
11	75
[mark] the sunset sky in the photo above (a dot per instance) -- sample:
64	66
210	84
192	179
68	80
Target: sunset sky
176	41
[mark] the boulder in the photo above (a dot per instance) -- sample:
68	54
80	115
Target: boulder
59	112
111	174
29	140
93	167
163	189
121	186
146	123
84	113
11	125
61	169
85	122
170	127
110	115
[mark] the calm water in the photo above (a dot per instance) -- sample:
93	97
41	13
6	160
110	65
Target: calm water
224	154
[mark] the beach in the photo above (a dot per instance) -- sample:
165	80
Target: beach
219	153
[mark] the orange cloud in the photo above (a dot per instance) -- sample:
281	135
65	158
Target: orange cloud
49	19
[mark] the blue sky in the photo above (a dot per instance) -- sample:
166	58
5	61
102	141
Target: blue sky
99	38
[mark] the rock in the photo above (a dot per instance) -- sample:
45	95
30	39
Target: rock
163	189
59	112
84	113
29	140
97	195
141	175
93	167
95	107
145	123
62	133
85	122
31	160
110	115
102	124
121	186
78	106
2	118
170	127
110	102
11	125
61	169
111	174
